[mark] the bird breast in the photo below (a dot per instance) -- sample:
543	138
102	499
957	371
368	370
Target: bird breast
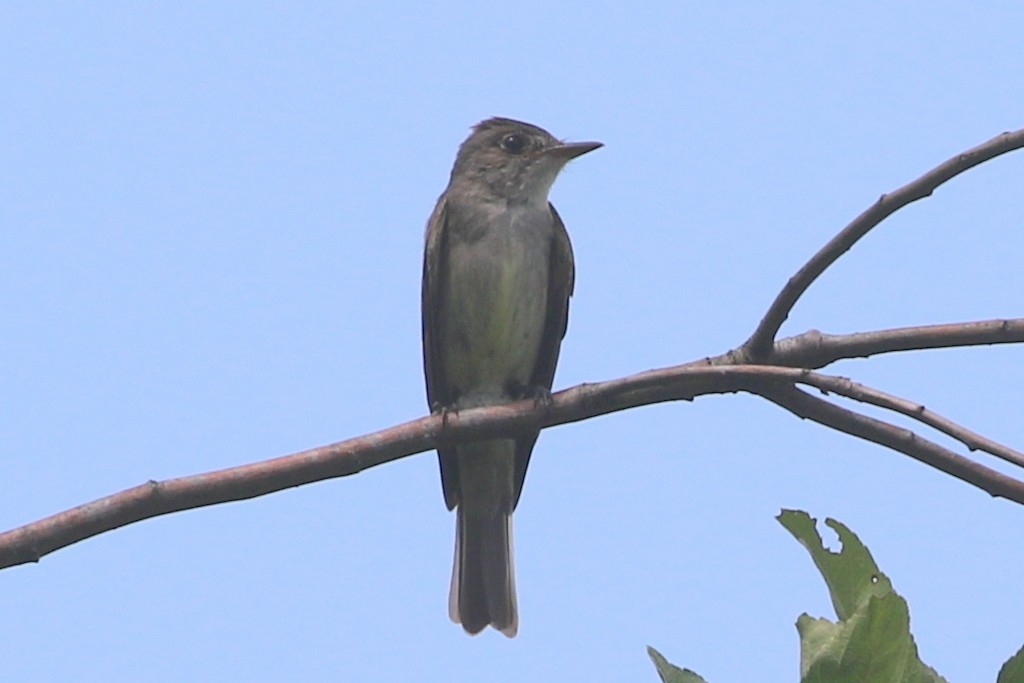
497	300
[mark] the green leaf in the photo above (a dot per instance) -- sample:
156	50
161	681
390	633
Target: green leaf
1013	670
851	574
872	640
670	673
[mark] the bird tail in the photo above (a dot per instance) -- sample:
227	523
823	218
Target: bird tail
483	590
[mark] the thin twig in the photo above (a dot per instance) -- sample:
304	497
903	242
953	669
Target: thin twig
865	394
899	439
814	349
760	342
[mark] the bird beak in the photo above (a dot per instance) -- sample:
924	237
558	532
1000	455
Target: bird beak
571	150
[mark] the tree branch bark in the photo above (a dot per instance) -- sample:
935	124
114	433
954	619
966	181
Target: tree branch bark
762	366
760	341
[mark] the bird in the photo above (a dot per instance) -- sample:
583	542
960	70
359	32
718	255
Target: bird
498	272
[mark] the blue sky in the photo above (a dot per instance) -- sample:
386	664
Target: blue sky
210	254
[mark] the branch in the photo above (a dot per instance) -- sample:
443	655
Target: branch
31	542
790	361
760	341
903	440
816	349
865	394
683	382
152	499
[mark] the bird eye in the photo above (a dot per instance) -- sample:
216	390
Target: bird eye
514	143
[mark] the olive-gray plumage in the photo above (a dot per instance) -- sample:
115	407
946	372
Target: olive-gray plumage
497	276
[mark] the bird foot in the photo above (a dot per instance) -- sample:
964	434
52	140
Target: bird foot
541	396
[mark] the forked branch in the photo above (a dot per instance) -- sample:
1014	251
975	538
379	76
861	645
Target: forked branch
760	342
762	366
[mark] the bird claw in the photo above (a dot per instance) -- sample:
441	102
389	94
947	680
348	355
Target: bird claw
541	396
446	413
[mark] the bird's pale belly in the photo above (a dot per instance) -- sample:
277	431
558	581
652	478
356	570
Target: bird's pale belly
495	323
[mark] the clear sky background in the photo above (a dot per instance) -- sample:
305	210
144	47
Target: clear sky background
211	221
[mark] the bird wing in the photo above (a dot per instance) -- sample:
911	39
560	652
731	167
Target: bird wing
431	300
561	280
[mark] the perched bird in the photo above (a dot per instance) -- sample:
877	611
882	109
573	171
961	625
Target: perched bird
497	275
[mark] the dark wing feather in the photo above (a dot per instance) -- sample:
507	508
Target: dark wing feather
561	279
432	303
